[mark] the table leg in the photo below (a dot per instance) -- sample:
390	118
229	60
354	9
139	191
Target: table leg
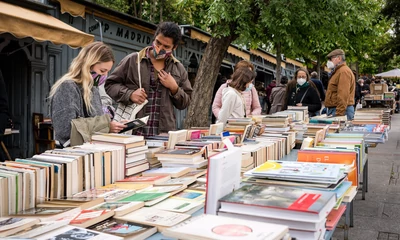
5	150
351	213
366	176
347	221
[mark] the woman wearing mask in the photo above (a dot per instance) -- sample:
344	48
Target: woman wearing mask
76	96
303	92
250	96
233	103
278	94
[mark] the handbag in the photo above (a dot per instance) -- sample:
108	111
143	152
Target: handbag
128	112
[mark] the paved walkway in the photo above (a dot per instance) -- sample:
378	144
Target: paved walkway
378	216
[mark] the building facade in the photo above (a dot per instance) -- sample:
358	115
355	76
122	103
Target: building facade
32	61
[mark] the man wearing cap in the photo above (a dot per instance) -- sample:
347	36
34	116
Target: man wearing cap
339	97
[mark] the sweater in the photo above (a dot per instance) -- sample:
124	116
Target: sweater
253	106
232	105
67	104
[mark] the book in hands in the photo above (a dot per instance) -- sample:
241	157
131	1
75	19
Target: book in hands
135	124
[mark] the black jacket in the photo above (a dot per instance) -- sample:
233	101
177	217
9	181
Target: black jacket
311	99
320	88
357	94
3	95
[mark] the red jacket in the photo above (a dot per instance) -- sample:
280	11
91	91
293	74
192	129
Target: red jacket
269	89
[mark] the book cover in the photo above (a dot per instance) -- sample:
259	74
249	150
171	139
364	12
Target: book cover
224	228
38	229
143	197
145	179
89	217
155	217
123	228
334	216
274	199
299	169
42	211
178	181
119	208
77	233
171	171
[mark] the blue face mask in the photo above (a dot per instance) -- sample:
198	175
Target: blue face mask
249	87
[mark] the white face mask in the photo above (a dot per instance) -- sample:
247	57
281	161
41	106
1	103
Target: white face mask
330	64
301	81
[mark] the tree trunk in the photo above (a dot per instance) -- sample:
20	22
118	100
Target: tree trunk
198	111
140	9
134	8
319	67
278	63
161	11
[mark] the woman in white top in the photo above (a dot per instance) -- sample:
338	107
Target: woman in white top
233	104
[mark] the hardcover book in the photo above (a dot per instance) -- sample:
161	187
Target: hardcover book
279	202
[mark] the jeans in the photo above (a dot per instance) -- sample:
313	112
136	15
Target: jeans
349	112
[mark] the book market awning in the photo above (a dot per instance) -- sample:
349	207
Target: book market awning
395	73
22	22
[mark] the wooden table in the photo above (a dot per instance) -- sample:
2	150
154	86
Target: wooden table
7	132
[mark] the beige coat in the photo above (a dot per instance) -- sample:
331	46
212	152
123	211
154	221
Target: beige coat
82	129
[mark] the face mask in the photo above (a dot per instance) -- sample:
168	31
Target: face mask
98	78
330	64
249	87
160	54
301	81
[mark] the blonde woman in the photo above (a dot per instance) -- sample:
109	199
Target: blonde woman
76	96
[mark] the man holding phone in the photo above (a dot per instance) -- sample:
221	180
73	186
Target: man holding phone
164	80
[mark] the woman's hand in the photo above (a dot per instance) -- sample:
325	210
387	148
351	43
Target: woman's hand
299	104
116	127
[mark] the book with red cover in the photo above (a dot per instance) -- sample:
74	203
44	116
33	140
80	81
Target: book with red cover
327	156
279	202
89	217
145	179
334	216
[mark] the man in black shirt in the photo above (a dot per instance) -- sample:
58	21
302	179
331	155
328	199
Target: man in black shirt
3	113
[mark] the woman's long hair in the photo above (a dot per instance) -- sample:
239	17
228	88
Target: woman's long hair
241	77
79	71
293	84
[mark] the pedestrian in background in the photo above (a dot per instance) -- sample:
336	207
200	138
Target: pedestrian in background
278	94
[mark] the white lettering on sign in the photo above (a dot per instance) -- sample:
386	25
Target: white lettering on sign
119	32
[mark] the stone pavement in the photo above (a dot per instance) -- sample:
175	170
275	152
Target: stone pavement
378	216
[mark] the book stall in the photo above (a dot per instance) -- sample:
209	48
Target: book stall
380	97
282	176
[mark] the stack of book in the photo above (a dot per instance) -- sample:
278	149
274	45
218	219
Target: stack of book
135	150
238	124
276	123
303	211
181	158
151	157
299	172
385	112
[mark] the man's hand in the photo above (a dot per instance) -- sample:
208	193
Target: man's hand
168	81
299	104
138	96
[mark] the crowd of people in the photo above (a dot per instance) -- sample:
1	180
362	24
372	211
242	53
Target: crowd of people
155	80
